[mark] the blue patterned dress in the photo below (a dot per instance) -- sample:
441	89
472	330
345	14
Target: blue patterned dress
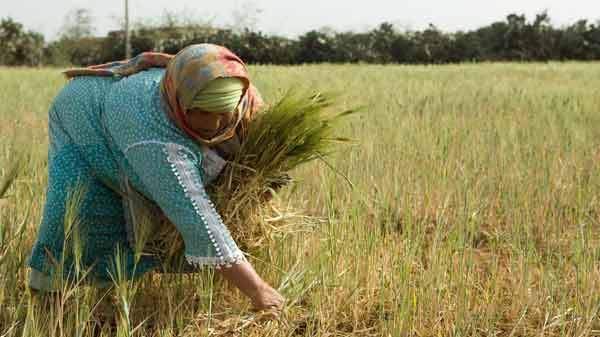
107	133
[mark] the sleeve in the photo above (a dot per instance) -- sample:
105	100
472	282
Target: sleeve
171	176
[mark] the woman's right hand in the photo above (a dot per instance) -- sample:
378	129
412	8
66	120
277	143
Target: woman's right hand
269	299
262	295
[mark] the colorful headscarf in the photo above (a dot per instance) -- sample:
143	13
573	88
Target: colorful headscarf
187	73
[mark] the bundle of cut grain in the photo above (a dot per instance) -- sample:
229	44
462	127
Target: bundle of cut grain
298	129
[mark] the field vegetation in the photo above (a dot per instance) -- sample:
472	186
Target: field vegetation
471	208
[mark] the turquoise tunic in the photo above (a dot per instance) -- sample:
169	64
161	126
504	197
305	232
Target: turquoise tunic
108	134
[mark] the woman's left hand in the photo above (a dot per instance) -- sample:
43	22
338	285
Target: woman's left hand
275	186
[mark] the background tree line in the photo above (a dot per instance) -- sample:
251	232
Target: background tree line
514	39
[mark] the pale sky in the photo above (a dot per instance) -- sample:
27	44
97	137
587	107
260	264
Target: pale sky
295	17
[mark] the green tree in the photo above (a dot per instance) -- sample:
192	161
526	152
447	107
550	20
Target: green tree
383	42
315	46
19	47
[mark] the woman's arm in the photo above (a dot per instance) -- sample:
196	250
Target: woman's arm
171	175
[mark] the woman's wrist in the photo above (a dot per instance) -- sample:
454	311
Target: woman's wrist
258	290
245	278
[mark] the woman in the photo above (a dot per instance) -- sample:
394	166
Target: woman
157	125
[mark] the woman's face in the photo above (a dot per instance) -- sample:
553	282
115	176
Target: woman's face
207	124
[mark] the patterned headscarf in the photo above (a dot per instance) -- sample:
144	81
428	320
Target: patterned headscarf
187	73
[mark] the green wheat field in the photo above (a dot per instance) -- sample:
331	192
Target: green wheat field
473	210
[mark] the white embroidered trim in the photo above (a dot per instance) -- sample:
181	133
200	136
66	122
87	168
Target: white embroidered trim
204	207
201	261
156	142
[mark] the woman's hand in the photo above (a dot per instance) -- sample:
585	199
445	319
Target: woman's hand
275	186
262	295
268	299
